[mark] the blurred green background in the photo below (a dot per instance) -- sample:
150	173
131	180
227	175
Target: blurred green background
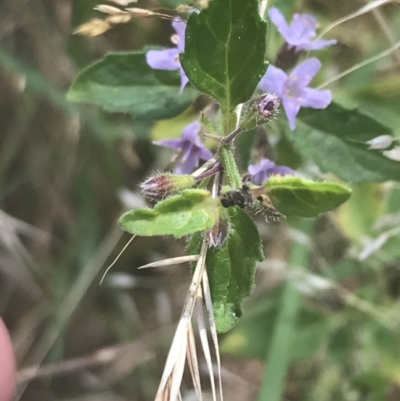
68	171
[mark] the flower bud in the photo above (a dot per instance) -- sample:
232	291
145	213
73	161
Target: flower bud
393	154
160	185
259	111
219	232
267	105
380	142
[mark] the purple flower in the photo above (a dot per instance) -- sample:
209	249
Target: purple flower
262	170
190	146
301	31
168	59
293	89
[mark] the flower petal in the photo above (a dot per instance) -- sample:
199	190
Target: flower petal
306	70
317	99
184	79
303	27
273	80
191	132
281	170
205	153
292	108
163	59
319	44
279	21
180	27
263	165
188	165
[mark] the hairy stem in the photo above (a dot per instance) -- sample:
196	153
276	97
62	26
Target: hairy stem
230	166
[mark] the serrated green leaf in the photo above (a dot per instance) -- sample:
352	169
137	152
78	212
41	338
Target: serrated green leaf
123	82
191	211
231	269
295	196
335	139
225	49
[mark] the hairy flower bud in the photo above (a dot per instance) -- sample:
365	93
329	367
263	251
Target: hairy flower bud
219	232
259	111
267	105
160	185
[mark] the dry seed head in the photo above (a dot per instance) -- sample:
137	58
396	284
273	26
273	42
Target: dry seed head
119	19
94	27
203	3
109	9
183	8
123	2
140	12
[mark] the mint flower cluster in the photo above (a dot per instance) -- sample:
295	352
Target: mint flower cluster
291	89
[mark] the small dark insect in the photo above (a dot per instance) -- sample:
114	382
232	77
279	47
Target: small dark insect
239	197
244	197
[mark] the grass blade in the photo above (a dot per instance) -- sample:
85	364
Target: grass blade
278	357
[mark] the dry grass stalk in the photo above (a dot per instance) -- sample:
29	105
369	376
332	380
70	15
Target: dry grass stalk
193	362
172	376
204	341
172	261
213	326
98	26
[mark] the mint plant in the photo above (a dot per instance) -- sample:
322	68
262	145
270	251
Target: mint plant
220	52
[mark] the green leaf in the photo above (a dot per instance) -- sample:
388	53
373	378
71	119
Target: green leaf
225	49
123	82
295	196
231	269
192	210
335	139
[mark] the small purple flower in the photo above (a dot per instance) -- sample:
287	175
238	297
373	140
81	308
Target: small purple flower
262	170
301	31
190	146
168	59
293	89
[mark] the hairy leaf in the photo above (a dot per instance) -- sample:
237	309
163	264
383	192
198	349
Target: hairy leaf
231	268
295	196
225	49
123	82
192	210
335	139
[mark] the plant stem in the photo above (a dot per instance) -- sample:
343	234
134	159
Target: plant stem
230	166
226	151
277	360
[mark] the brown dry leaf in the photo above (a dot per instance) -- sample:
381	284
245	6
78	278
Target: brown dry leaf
94	27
